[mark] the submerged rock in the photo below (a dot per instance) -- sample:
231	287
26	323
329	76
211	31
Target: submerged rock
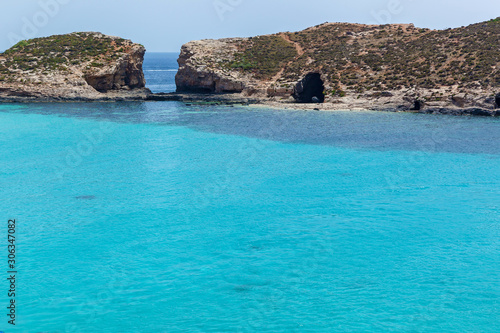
85	197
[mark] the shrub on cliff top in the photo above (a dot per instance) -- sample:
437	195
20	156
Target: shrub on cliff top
391	57
49	52
264	55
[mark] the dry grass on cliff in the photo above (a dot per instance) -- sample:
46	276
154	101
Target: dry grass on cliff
387	57
391	56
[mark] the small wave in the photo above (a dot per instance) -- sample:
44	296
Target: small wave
160	70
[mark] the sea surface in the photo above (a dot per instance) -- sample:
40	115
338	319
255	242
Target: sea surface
162	217
159	70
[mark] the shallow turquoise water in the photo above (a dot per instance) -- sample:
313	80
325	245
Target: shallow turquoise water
158	217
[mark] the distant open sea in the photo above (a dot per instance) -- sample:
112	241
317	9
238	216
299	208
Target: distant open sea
162	217
159	70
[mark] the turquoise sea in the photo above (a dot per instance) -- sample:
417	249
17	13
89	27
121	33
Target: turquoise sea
162	217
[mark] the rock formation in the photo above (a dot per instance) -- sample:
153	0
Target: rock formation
76	66
390	67
199	75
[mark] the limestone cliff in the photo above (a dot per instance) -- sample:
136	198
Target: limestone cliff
200	71
76	66
395	66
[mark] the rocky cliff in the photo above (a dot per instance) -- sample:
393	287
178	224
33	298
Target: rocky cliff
76	66
398	67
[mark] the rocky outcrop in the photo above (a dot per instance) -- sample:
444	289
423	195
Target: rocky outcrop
77	66
126	73
384	67
202	68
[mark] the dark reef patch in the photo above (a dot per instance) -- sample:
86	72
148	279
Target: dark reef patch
85	197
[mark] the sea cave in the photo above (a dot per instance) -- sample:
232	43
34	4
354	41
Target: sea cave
417	106
310	89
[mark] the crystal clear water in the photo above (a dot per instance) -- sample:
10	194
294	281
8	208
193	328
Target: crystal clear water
162	217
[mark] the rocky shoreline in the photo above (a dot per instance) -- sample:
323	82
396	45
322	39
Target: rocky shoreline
118	96
381	105
145	95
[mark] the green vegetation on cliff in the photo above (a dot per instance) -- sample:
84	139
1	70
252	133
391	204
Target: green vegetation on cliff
264	55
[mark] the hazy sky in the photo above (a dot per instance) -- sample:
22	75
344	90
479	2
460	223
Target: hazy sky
164	25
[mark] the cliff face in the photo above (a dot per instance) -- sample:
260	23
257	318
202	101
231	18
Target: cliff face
199	67
77	66
353	64
218	66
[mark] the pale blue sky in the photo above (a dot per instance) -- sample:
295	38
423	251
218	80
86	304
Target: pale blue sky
164	25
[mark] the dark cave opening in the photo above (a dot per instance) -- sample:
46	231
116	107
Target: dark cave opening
497	101
417	106
310	89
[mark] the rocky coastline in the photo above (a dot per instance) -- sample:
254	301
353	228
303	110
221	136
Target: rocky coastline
342	66
363	105
275	70
144	95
